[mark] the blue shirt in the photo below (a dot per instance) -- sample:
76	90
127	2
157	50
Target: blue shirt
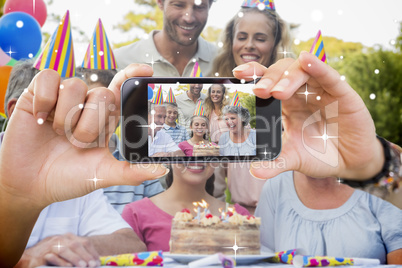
178	133
364	226
228	147
162	142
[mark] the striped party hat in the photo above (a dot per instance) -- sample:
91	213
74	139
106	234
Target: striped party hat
199	110
99	54
170	97
58	53
318	48
260	4
158	97
235	100
196	70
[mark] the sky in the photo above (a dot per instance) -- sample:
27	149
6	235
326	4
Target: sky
370	22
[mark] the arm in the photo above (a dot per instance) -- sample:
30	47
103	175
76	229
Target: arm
395	257
43	162
119	242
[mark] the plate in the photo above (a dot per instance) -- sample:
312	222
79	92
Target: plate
240	259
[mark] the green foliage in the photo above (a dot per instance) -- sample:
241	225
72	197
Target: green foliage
334	47
386	108
248	102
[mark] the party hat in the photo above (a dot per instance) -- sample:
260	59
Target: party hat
235	100
199	110
170	97
158	97
99	54
260	4
318	48
58	53
196	70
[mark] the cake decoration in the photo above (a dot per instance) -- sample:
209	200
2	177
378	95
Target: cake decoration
158	97
318	48
58	53
196	70
99	54
170	98
260	4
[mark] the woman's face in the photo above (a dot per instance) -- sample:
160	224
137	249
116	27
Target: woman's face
253	39
233	122
193	173
199	126
216	93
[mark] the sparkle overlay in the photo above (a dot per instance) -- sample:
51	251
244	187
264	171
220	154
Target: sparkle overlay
306	93
10	52
95	181
235	247
325	136
58	246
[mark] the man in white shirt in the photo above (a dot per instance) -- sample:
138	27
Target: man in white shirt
174	50
187	102
160	143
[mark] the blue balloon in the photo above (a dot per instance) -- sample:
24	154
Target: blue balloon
20	35
150	93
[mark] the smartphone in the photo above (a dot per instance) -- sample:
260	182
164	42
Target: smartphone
249	129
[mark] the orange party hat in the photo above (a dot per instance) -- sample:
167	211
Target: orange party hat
158	97
58	53
196	70
318	48
235	100
260	4
99	54
199	110
170	97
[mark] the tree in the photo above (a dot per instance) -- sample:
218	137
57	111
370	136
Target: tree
376	77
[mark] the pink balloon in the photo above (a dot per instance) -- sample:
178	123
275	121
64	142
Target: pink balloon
35	8
4	58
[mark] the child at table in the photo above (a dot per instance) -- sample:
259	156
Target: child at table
151	218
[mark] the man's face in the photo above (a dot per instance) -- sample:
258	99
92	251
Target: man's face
184	20
157	117
195	89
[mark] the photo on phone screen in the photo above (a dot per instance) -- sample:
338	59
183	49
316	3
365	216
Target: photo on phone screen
197	119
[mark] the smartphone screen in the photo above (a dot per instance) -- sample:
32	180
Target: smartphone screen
173	120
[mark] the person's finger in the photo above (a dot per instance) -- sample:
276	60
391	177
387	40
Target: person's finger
112	172
44	87
56	260
133	70
71	100
94	116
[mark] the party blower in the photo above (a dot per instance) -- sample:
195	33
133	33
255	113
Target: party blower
322	261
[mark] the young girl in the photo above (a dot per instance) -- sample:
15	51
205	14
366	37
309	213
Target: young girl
151	218
199	130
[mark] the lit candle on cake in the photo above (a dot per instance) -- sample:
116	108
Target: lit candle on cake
198	210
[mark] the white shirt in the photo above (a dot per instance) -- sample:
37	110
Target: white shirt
84	216
162	142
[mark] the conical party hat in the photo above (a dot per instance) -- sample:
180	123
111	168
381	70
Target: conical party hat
170	97
235	100
58	53
318	48
260	4
158	97
196	70
199	110
99	54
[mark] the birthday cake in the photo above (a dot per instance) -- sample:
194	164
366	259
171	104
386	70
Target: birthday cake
206	149
211	234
